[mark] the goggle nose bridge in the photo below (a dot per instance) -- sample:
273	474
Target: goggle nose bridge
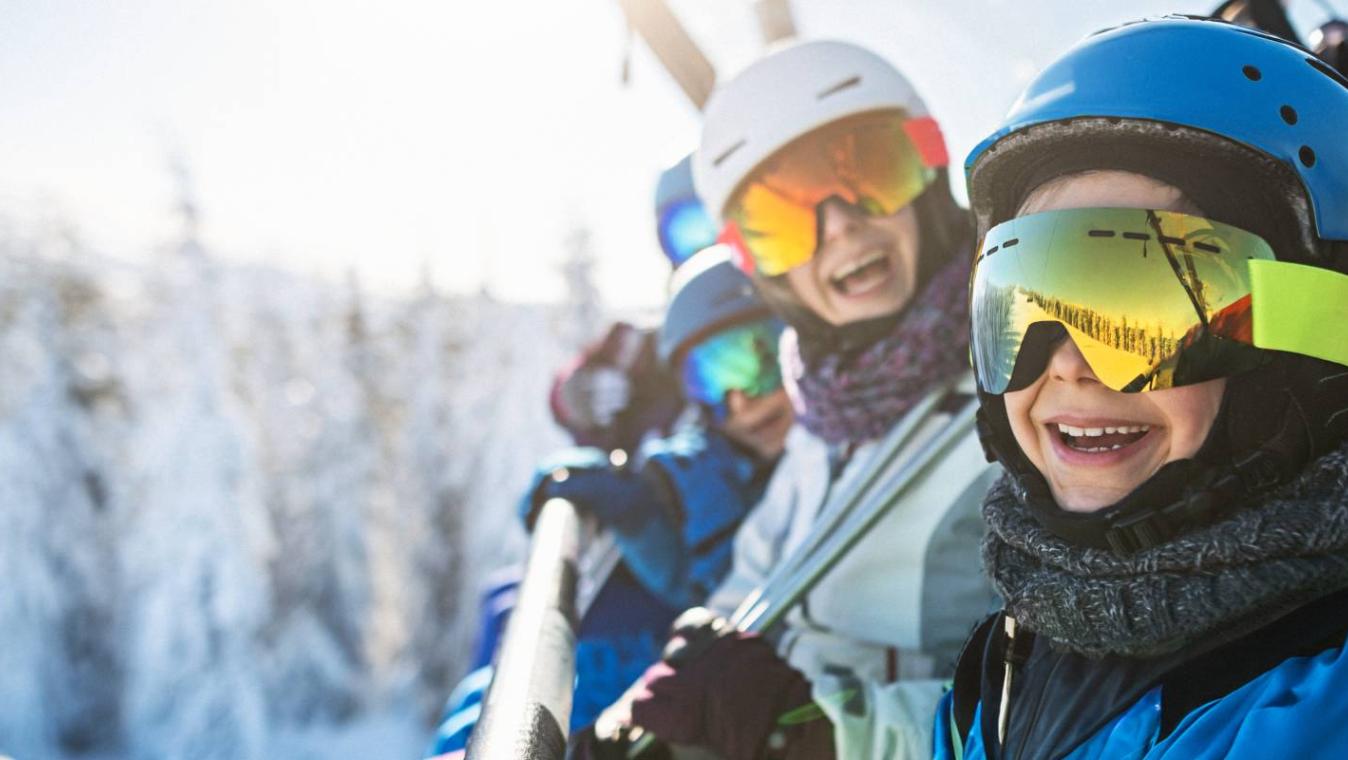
1036	349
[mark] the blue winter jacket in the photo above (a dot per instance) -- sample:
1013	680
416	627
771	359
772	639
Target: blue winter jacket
709	486
621	634
673	508
1279	691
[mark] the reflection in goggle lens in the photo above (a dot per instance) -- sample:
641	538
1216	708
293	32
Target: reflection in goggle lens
742	358
1153	299
869	160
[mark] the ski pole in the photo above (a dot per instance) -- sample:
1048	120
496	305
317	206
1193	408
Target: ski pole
527	710
838	509
772	608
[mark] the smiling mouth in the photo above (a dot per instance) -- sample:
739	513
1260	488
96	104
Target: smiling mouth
861	276
1099	439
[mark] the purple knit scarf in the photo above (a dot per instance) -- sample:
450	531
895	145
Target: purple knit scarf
857	397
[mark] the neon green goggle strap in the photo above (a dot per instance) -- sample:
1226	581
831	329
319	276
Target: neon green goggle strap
1300	309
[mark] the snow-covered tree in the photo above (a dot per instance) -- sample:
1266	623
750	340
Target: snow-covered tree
247	511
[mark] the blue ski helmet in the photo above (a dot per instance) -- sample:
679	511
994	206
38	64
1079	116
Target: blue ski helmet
1203	93
1250	128
710	294
681	222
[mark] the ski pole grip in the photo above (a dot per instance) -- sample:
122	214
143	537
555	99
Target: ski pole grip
527	709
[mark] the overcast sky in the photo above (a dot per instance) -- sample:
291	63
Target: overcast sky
465	138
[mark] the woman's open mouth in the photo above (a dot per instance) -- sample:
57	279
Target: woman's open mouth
863	276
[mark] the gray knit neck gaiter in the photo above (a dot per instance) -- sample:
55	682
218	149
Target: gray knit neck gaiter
1289	549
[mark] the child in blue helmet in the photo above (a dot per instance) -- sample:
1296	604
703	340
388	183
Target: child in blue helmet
1159	313
720	341
672	508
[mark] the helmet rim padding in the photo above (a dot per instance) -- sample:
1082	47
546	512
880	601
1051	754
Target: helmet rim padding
1000	178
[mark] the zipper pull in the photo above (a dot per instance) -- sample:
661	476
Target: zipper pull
1004	709
1014	654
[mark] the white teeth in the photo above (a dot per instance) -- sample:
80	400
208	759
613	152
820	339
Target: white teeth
858	266
1080	432
1093	432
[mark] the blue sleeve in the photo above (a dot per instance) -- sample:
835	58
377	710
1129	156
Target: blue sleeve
674	517
465	701
943	734
497	603
648	538
461	713
711	486
588	478
621	634
637	508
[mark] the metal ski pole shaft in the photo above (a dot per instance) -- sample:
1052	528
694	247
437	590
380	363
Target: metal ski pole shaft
528	707
771	609
673	47
838	509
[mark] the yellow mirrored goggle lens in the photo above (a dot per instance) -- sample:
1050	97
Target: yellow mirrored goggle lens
1153	299
867	160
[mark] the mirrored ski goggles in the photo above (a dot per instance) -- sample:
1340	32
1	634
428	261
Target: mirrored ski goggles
878	162
741	358
685	228
1153	299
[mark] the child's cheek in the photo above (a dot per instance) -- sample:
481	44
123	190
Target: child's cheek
1189	411
1018	407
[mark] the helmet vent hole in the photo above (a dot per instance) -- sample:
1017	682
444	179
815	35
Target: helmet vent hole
846	84
1328	71
1289	114
1307	156
722	158
1252	73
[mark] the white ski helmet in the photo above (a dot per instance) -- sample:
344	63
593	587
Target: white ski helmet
785	95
